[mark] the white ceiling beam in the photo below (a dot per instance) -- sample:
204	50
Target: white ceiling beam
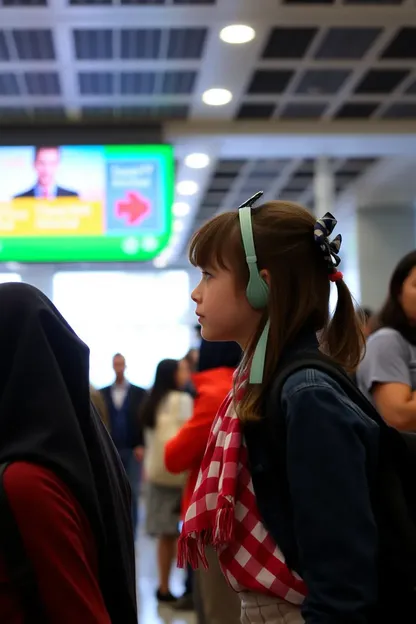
259	12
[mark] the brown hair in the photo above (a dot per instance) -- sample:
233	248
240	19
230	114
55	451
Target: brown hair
299	291
392	313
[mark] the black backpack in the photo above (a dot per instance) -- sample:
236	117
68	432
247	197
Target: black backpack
394	495
19	568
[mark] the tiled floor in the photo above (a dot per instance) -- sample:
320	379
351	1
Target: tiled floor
149	612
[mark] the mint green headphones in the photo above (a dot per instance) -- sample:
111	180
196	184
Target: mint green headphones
257	290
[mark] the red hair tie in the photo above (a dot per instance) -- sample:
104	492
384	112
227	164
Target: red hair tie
336	276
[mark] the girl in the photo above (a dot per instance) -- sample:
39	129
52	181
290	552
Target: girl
266	277
387	374
164	412
63	486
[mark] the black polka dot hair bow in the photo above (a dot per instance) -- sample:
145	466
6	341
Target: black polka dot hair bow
330	249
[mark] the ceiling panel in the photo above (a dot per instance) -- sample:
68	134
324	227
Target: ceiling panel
356	110
178	82
93	44
412	89
381	80
138	83
186	43
174	111
42	83
195	2
402	46
256	111
142	2
297	110
401	111
8	84
322	81
347	43
270	81
288	42
4	53
96	83
140	43
28	3
89	2
34	45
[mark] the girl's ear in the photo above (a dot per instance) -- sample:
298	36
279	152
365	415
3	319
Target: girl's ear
264	273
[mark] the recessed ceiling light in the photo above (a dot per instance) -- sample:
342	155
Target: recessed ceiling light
178	226
187	187
217	97
181	209
237	33
197	161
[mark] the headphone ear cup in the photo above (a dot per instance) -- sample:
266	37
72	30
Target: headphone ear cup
257	292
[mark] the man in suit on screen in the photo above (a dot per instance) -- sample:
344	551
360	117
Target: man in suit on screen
46	165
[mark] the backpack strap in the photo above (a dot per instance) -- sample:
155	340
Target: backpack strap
18	565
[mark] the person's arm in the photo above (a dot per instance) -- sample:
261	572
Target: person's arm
385	373
397	404
334	523
59	543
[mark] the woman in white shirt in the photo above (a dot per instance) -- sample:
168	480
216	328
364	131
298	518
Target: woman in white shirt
164	412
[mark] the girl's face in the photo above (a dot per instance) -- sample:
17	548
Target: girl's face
183	374
407	297
223	310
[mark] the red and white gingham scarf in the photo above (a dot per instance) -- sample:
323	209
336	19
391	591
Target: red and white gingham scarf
223	513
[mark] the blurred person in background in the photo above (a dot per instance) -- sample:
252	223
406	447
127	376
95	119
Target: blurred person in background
66	540
369	321
123	401
164	412
184	453
387	374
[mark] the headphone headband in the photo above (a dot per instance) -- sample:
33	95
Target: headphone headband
257	291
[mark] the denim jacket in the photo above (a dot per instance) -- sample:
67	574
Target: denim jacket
327	530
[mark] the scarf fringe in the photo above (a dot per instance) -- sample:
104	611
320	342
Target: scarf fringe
224	524
191	547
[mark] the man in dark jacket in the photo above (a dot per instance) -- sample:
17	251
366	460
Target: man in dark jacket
123	401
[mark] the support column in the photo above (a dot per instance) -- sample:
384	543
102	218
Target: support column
384	236
323	187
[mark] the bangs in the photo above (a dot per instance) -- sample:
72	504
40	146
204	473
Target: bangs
215	243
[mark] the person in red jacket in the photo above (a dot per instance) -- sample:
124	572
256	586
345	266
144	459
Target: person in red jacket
184	452
62	486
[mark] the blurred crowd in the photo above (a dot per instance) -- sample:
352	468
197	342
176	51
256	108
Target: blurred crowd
161	437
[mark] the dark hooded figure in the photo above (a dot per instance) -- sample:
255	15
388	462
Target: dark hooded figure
64	484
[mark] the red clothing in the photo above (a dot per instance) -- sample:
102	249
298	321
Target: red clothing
186	450
61	546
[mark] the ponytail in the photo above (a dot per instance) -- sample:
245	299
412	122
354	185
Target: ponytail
343	338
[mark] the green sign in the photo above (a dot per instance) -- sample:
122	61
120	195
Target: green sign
85	203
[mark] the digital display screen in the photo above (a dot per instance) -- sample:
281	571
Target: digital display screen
108	203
